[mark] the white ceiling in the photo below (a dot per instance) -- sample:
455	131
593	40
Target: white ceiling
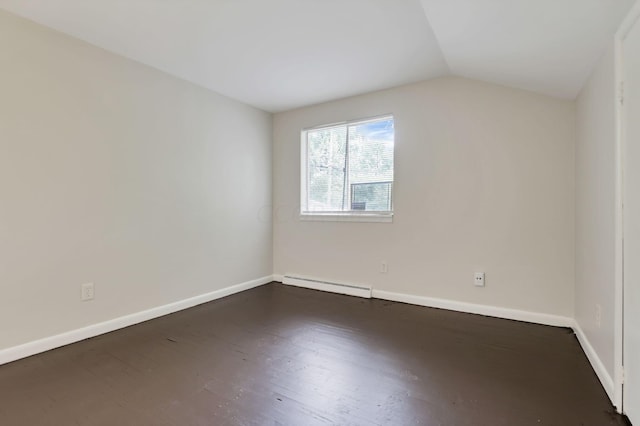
282	54
547	46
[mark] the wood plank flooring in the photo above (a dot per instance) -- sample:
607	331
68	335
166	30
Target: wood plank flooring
279	355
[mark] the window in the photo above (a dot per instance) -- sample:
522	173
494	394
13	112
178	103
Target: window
347	169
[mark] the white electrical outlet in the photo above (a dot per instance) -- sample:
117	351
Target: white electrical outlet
478	279
87	292
598	315
384	268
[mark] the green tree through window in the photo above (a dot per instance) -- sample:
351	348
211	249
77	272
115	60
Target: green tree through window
349	167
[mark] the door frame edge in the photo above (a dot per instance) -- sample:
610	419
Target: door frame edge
627	24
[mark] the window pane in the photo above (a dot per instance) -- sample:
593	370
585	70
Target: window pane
371	165
371	196
326	156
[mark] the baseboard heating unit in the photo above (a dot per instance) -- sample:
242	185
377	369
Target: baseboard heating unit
333	287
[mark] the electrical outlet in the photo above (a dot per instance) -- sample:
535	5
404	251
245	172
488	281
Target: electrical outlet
478	279
384	268
598	315
86	292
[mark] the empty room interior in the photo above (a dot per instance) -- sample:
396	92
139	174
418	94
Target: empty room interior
312	212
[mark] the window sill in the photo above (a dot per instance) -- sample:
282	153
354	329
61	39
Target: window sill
347	217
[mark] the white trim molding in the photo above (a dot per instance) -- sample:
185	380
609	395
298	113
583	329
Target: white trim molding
623	30
472	308
605	378
42	345
349	289
596	363
347	217
469	308
505	313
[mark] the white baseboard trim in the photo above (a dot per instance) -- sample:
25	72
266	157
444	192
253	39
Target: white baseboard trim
472	308
42	345
506	313
328	286
596	362
63	339
513	314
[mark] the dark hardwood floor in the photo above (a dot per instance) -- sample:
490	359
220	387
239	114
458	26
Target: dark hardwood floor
279	355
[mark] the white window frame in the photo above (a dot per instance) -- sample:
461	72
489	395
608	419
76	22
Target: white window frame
342	216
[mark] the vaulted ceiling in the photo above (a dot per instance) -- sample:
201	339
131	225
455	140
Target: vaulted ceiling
283	54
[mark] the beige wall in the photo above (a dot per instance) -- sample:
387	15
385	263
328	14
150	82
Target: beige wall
157	190
484	182
595	208
114	173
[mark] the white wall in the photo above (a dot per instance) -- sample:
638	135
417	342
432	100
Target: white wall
115	173
484	182
595	208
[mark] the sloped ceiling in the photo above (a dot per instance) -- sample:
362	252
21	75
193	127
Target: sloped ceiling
283	54
547	46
